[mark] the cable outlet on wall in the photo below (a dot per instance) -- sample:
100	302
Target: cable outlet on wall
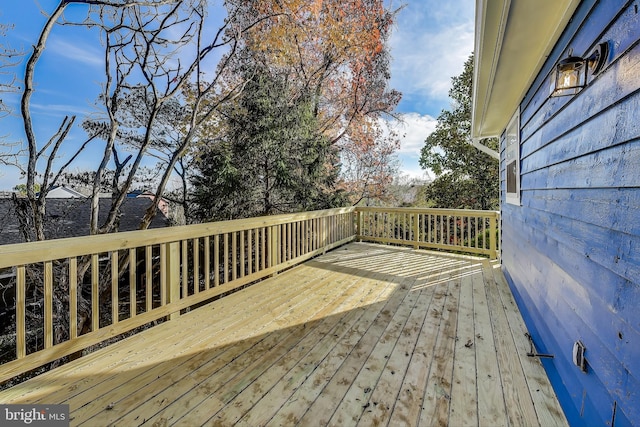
578	356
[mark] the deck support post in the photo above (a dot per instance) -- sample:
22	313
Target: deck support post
416	230
493	227
274	246
172	263
325	236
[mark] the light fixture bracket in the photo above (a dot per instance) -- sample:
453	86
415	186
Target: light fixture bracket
598	58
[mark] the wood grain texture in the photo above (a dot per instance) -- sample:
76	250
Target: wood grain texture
571	251
446	229
364	334
125	270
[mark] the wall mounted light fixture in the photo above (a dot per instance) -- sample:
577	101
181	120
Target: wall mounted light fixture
571	73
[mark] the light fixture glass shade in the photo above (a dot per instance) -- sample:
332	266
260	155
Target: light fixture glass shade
571	73
570	76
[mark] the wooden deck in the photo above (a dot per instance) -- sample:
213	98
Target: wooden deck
363	335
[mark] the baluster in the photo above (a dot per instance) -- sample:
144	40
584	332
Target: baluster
196	265
115	315
133	294
95	298
216	260
21	302
148	275
73	298
207	262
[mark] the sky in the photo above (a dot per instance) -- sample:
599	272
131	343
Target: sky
430	43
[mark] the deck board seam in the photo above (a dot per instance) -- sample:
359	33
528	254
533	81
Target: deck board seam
364	335
284	301
396	330
353	283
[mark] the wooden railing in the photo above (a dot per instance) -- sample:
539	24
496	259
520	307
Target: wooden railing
108	285
143	276
456	230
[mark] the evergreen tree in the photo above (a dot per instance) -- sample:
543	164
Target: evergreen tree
271	158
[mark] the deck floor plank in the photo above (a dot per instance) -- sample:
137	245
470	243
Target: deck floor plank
199	343
304	396
435	406
366	335
337	382
491	405
520	409
547	407
464	409
411	397
385	394
266	408
192	389
257	388
357	398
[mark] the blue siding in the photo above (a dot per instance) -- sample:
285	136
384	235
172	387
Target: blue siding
571	251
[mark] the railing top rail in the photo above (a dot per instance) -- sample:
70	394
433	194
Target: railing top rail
439	211
48	250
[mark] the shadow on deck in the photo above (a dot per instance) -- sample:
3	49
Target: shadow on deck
365	334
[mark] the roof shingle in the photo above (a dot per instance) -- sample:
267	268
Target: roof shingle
70	217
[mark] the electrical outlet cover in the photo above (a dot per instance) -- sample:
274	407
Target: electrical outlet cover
578	356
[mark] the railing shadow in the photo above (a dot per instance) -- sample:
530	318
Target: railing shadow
391	263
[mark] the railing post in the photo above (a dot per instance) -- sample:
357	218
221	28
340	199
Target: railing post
274	250
498	249
415	230
325	235
172	263
492	236
360	224
21	302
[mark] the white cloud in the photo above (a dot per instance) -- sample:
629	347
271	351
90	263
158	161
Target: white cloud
75	51
56	110
429	45
413	129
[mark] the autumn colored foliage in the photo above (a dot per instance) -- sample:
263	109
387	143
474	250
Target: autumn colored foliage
337	51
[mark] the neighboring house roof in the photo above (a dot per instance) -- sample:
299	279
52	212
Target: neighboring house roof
135	193
69	217
512	41
62	192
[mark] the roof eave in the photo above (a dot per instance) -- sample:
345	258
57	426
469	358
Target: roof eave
512	41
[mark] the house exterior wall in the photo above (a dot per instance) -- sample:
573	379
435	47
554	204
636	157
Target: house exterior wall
571	250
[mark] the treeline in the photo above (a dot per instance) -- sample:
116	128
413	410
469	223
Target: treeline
276	109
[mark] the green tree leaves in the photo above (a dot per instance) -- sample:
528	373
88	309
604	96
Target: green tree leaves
271	159
466	178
